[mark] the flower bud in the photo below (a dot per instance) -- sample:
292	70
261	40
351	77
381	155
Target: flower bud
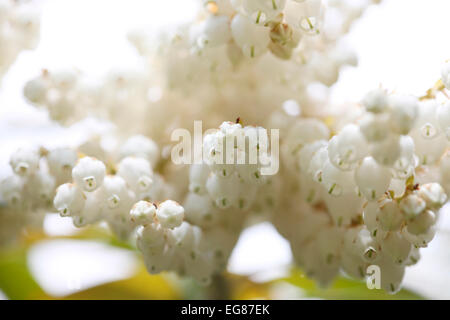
403	113
376	101
89	173
11	189
412	205
143	213
24	161
69	200
170	214
136	172
61	162
433	194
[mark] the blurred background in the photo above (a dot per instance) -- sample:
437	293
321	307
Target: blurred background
400	45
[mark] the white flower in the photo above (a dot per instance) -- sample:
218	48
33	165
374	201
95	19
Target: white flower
308	151
403	113
360	242
35	90
372	179
433	194
317	163
150	236
347	147
306	131
247	195
69	200
427	121
370	216
250	37
170	214
376	101
336	181
136	172
140	146
405	164
389	216
396	247
373	126
143	212
198	174
266	9
199	209
89	173
43	184
393	274
115	192
24	161
386	152
224	191
11	189
187	237
413	205
304	15
215	31
92	211
421	223
419	240
61	162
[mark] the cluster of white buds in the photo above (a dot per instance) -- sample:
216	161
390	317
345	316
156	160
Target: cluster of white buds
222	191
32	188
253	27
231	176
100	192
359	203
378	153
240	54
62	91
399	226
19	30
123	201
226	187
353	190
169	244
416	131
57	91
34	178
28	192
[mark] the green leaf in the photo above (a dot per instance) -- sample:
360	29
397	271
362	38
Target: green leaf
15	279
345	289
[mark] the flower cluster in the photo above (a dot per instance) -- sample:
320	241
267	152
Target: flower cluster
169	244
98	193
357	186
367	191
29	190
60	92
231	183
19	30
223	191
227	61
